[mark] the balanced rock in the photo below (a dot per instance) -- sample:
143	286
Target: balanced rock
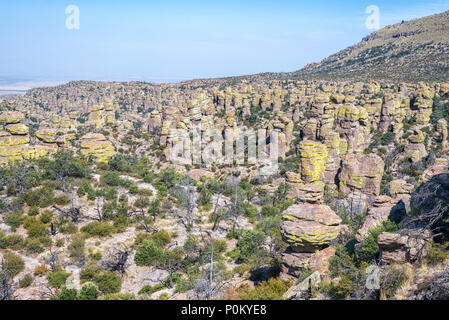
309	227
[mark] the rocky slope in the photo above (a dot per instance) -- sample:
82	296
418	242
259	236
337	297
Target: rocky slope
417	49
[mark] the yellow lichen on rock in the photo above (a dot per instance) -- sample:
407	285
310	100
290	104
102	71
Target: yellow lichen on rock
97	146
313	160
9	117
47	135
17	128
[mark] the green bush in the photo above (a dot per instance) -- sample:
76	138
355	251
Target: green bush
88	291
149	253
12	241
149	290
273	289
250	244
270	211
57	279
437	253
46	216
98	229
34	211
26	281
35	227
14	219
66	294
106	281
76	247
118	296
13	263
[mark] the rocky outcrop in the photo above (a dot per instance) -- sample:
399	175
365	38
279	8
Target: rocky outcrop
377	214
8	117
313	160
404	246
361	173
97	146
309	227
416	149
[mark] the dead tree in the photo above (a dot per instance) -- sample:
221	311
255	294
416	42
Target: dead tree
6	289
73	213
99	205
213	281
117	259
53	260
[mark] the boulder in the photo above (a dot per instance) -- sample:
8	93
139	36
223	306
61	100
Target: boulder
408	245
47	135
301	290
11	117
362	172
309	227
17	129
97	146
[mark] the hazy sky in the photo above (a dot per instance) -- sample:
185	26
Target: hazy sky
177	40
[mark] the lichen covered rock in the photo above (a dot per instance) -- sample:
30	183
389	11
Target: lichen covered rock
362	173
97	146
9	117
309	227
313	160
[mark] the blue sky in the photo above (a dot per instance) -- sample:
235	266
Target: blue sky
176	40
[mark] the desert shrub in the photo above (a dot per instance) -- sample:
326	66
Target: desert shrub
164	296
106	281
273	289
66	294
161	238
46	216
392	278
88	291
40	270
68	228
57	279
250	244
269	211
340	289
148	253
34	211
34	227
98	229
41	197
149	290
437	253
86	188
112	179
33	245
26	281
369	250
12	241
13	263
62	200
119	296
76	247
14	219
